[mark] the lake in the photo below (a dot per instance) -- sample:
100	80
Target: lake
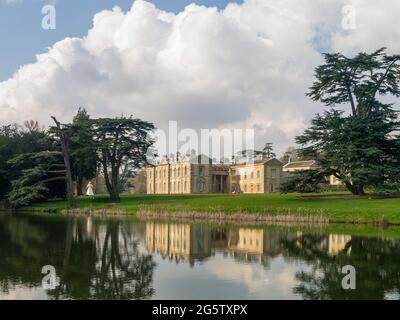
98	258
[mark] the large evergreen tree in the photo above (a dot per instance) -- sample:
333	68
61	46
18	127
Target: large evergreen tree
359	146
41	175
120	141
83	155
32	168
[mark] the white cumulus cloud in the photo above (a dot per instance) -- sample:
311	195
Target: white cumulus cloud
247	65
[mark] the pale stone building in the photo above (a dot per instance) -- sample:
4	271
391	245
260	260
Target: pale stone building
308	165
263	176
300	166
199	175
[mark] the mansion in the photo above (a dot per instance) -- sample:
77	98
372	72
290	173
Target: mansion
199	174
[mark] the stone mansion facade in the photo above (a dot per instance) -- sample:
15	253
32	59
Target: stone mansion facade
199	175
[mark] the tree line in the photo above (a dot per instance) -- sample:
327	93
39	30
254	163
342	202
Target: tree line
37	164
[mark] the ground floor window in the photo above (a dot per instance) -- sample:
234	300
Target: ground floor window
200	186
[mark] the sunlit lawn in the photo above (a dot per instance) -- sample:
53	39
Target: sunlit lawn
335	209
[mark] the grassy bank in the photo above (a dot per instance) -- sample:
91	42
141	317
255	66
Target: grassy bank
358	210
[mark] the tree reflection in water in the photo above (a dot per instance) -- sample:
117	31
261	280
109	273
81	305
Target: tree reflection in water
94	259
20	248
376	261
109	261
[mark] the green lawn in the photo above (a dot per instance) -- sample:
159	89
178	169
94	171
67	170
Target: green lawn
337	210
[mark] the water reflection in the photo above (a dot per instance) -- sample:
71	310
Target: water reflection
187	242
94	260
117	259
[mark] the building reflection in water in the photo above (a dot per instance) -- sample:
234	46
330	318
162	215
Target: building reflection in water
179	242
184	242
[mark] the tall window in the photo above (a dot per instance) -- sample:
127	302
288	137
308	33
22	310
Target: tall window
252	175
273	173
258	173
201	171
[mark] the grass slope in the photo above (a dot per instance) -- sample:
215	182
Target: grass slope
337	210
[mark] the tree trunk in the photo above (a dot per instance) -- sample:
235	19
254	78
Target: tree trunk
111	182
114	194
360	189
79	186
355	189
65	153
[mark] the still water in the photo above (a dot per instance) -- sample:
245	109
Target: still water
125	259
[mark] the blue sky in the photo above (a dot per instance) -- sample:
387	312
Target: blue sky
22	36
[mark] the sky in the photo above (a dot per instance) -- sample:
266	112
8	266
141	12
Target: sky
23	37
207	64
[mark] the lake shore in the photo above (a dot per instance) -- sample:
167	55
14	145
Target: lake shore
335	208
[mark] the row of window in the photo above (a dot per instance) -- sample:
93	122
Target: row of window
162	173
258	188
251	188
251	176
174	187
